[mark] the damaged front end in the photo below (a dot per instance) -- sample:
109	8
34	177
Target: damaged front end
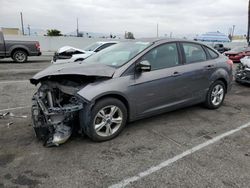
243	73
57	103
67	52
55	112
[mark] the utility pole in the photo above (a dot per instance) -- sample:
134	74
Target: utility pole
29	29
77	29
248	25
233	31
157	30
22	22
229	31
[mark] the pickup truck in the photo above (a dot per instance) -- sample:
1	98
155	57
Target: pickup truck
221	48
18	50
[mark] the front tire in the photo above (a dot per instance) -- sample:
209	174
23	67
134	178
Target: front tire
20	56
108	118
215	95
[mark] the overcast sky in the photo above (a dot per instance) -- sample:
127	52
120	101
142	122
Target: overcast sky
118	16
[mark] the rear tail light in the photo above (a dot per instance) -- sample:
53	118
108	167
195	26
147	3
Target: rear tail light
37	46
230	63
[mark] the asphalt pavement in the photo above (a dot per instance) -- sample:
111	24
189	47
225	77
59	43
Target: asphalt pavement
148	153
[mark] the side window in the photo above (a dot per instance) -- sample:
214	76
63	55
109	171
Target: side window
103	46
163	56
194	53
212	53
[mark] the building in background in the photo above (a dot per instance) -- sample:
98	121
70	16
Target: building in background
10	31
213	37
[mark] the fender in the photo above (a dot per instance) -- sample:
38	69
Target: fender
18	46
220	73
116	86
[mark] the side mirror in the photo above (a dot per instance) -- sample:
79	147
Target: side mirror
144	66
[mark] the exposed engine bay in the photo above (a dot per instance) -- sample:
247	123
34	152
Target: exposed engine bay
58	103
54	112
243	73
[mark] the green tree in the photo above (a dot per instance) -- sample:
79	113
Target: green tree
129	35
53	32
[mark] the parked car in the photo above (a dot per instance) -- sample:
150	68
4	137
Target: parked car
221	48
18	50
69	54
237	53
243	71
126	82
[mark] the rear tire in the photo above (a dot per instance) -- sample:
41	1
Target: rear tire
215	95
20	56
108	119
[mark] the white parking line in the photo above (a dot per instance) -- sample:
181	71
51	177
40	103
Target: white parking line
13	81
166	163
16	108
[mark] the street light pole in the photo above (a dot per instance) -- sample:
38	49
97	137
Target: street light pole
22	22
77	29
233	31
157	30
248	25
29	29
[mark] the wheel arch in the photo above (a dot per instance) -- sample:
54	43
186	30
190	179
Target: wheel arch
221	75
19	48
224	81
79	59
120	97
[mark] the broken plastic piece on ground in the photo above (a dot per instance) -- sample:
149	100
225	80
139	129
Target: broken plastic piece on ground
13	115
10	123
10	114
61	135
3	115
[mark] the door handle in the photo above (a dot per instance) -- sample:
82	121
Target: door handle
209	67
175	74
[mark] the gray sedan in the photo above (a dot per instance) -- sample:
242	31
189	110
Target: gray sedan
124	83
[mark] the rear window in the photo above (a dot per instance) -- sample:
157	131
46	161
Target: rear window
212	53
104	46
194	53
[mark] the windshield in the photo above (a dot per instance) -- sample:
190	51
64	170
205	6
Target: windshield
92	47
119	54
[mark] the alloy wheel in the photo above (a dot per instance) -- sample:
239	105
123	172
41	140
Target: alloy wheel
108	121
217	95
20	57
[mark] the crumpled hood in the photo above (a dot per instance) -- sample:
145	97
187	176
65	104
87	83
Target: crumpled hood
69	48
245	62
77	68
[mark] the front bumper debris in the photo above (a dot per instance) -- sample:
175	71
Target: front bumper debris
54	123
242	74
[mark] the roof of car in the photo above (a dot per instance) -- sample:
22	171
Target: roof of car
106	42
153	40
161	40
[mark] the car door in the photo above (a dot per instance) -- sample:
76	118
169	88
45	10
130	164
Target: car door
164	86
198	68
